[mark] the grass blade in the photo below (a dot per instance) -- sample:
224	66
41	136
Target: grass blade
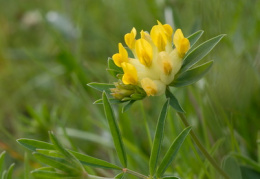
172	152
158	139
114	131
10	172
199	52
2	158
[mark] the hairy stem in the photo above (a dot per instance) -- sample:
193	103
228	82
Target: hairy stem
202	149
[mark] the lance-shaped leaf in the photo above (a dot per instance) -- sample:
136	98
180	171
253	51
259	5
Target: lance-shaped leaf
49	172
199	52
172	152
120	176
112	101
170	177
193	38
191	76
232	168
101	86
127	106
2	158
58	163
113	69
66	153
33	145
10	172
157	142
114	129
173	101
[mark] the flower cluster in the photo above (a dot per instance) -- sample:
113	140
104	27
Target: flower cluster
156	60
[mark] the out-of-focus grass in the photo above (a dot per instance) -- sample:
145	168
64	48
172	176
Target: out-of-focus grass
50	50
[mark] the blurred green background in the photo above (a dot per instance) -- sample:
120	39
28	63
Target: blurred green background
50	50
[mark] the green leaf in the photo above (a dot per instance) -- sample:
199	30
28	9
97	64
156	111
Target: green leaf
199	52
114	131
32	144
10	172
112	65
84	159
157	142
48	173
170	177
127	106
248	161
59	163
191	76
232	168
248	173
172	152
120	176
193	38
62	150
101	86
173	101
112	101
2	158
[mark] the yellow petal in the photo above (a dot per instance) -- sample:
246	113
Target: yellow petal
165	63
181	43
144	52
149	86
130	38
130	74
158	37
120	57
168	31
123	52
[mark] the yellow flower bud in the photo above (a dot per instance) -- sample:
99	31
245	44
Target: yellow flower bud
130	39
120	57
130	74
144	52
181	43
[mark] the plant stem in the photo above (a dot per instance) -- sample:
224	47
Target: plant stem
202	149
126	170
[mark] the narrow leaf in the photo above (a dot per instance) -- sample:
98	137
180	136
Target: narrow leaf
32	144
199	52
112	65
172	152
114	131
56	162
127	106
84	159
120	176
193	75
10	172
193	38
232	168
173	101
2	158
112	101
157	142
101	86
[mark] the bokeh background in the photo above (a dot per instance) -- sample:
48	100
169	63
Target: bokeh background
50	50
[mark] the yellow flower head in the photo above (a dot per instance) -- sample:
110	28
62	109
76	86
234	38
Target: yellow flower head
120	57
161	35
130	38
130	74
144	52
181	43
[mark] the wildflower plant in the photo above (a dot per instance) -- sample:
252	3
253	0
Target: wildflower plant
148	66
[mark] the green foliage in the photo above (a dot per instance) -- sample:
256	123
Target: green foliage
232	168
5	174
114	131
